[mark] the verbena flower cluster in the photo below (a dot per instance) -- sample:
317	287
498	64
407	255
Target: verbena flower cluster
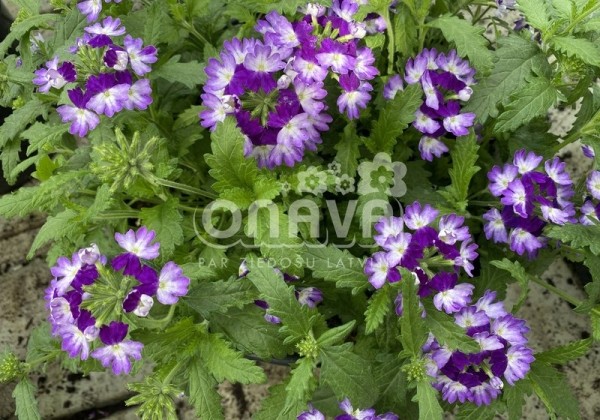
105	75
349	413
591	207
436	257
132	279
307	296
532	198
412	242
446	80
503	354
275	86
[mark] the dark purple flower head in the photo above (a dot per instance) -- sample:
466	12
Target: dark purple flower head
113	333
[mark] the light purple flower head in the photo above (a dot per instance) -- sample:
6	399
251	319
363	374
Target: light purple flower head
82	120
108	95
55	75
172	284
139	56
138	246
379	269
309	296
311	414
110	27
392	87
593	184
417	216
117	353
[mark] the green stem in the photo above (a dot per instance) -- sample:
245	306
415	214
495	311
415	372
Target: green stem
562	294
184	188
36	362
118	214
392	40
156	324
581	17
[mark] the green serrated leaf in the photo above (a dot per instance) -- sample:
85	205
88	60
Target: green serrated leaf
578	236
165	219
336	265
469	40
348	374
514	396
564	354
228	165
60	226
532	101
191	73
22	27
464	156
295	318
24	395
379	306
224	363
515	60
16	122
393	119
548	383
218	296
347	150
413	333
250	332
203	391
273	407
580	48
536	12
301	386
429	406
392	383
517	272
446	331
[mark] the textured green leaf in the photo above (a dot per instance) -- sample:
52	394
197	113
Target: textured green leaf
379	305
16	122
60	226
553	390
392	383
228	165
218	296
580	48
347	151
593	288
228	364
301	386
393	119
536	12
165	219
336	265
191	73
578	236
564	354
516	59
429	406
24	395
250	332
203	391
411	324
405	31
295	318
464	156
468	38
42	135
532	101
274	406
447	332
348	374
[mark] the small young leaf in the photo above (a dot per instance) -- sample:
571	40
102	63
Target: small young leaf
464	156
274	406
60	226
468	38
579	236
394	117
517	272
24	395
379	305
347	151
336	335
514	396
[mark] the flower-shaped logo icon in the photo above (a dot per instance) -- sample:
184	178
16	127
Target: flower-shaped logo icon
335	167
312	181
344	184
382	175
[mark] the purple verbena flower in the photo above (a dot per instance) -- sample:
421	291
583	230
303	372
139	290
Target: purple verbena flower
138	246
172	284
110	27
117	353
